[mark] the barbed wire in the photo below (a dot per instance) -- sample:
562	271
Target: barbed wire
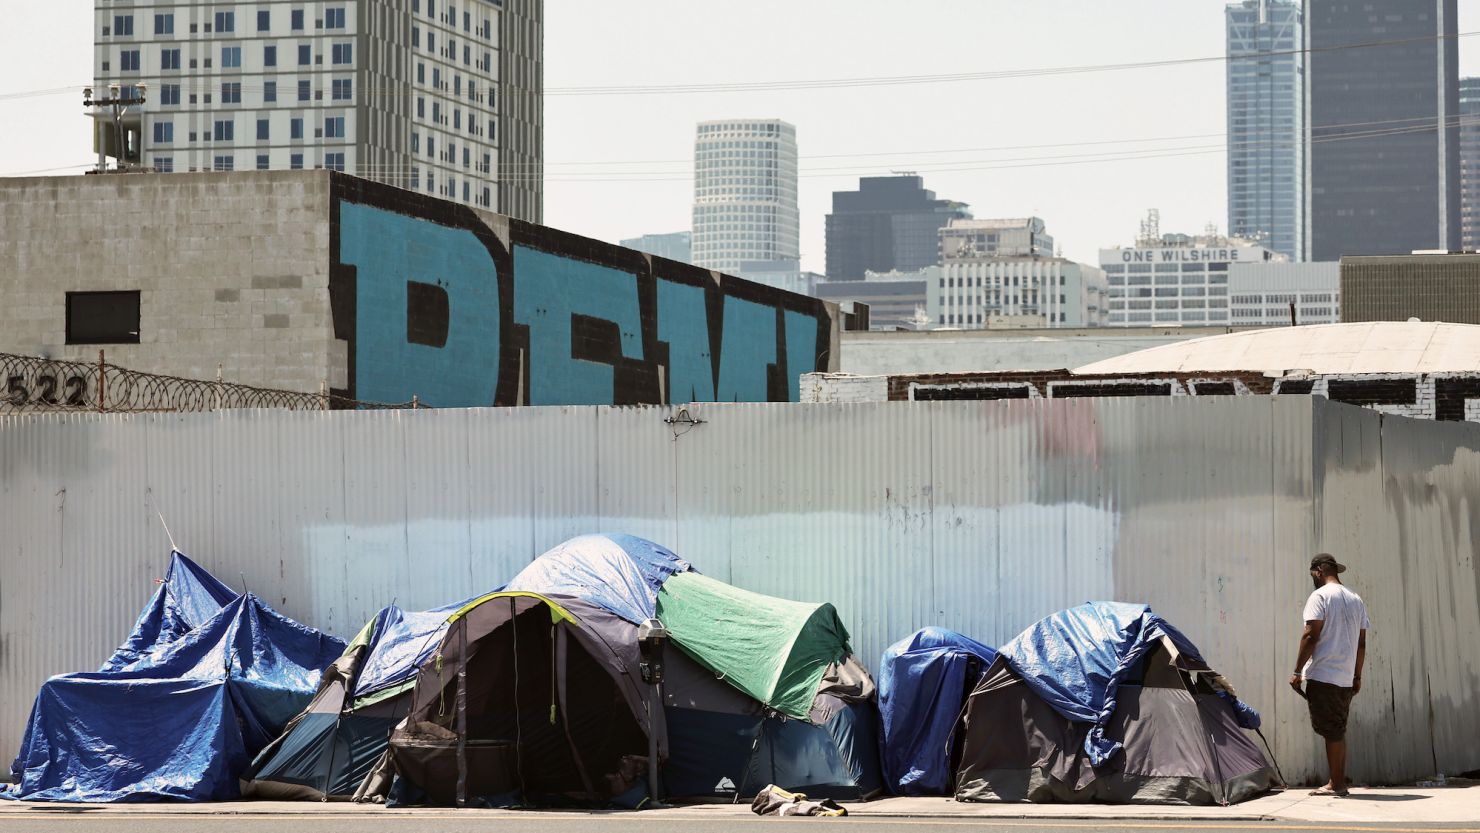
30	384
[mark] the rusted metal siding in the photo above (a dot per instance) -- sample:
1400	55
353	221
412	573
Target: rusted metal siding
980	516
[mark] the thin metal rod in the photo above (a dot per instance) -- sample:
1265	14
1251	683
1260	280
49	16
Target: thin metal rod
462	713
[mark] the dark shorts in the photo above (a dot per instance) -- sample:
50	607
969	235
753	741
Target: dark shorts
1329	706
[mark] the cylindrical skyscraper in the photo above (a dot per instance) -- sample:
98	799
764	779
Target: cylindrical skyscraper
745	193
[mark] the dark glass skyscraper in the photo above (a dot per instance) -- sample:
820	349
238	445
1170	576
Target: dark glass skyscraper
1469	163
1383	168
1266	124
890	222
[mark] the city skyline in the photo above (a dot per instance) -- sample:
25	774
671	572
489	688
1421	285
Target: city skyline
602	180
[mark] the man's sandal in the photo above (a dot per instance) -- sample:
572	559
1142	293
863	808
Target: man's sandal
1328	791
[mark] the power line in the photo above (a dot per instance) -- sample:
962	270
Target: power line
878	81
895	80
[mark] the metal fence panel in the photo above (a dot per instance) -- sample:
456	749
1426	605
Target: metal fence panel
980	516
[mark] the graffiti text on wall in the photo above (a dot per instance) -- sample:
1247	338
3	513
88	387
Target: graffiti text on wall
435	303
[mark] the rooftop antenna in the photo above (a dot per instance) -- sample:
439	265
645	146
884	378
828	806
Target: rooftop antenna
1151	227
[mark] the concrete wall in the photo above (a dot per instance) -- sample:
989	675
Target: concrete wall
232	269
979	516
295	279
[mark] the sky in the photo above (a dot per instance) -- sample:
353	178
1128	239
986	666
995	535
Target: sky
620	165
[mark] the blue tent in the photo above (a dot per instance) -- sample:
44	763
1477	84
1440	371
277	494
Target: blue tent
206	679
1077	658
329	748
619	573
923	681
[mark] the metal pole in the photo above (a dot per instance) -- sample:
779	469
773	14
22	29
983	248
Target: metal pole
462	713
102	383
657	694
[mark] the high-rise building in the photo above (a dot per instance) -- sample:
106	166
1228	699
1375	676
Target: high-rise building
1175	278
889	223
996	270
745	193
1382	98
1260	293
1266	124
438	96
675	245
1469	163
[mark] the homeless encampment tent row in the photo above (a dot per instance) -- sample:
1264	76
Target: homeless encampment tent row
205	680
803	717
1108	702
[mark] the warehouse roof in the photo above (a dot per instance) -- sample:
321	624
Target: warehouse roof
1364	347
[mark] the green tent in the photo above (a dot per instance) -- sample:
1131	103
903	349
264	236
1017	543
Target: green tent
775	650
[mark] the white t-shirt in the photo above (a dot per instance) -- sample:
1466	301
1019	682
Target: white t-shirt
1345	617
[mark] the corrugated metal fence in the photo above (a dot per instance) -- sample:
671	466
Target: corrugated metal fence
981	516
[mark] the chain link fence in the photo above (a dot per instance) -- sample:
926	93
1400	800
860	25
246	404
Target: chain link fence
32	384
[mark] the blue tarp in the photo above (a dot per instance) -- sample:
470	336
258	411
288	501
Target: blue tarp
206	679
619	573
399	644
1076	659
922	685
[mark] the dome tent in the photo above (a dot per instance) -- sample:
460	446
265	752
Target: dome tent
1108	702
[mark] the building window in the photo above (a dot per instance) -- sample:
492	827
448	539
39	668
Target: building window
225	22
123	26
415	142
298	21
164	164
334	161
225	131
415	178
334	127
169	94
343	53
269	91
341	89
231	92
421	107
295	129
487	198
164	132
262	130
231	57
421	72
128	60
295	162
164	24
334	18
269	55
261	161
169	59
264	20
223	163
416	36
305	54
303	90
103	317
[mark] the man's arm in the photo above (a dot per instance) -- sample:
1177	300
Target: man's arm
1308	640
1361	657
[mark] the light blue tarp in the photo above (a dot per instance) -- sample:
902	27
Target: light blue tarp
619	573
206	679
1076	659
922	685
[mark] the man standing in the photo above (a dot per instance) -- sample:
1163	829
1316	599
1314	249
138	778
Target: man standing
1332	650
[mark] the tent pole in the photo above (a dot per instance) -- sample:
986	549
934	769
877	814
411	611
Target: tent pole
462	713
754	745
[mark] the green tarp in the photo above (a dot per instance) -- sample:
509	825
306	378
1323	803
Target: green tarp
773	649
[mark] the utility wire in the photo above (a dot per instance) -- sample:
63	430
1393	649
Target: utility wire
890	80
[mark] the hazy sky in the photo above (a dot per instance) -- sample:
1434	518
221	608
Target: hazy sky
620	165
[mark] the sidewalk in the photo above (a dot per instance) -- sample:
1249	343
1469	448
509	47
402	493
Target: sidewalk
1451	804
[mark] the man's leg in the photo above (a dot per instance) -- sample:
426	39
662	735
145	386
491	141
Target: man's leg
1336	758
